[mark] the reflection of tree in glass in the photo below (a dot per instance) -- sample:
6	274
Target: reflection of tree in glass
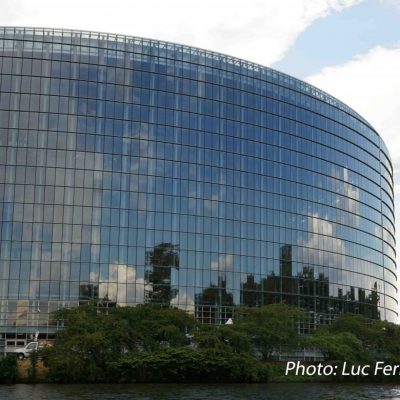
160	261
215	295
88	292
214	304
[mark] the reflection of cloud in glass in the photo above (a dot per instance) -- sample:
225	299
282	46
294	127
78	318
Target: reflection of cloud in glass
184	299
350	201
72	123
219	194
224	263
119	275
93	276
321	237
131	274
95	237
76	251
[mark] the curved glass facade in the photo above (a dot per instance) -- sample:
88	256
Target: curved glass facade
136	171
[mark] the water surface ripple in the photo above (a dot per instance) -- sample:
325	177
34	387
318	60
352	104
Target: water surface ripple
288	391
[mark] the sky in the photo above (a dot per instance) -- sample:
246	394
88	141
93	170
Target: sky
349	48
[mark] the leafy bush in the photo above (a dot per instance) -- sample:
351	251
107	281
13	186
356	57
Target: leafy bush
150	343
271	327
340	347
8	369
188	365
32	370
353	337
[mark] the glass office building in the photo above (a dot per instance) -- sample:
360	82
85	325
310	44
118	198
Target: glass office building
134	170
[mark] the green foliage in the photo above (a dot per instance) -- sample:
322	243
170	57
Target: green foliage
388	345
78	359
271	328
150	343
94	338
266	329
158	324
378	340
340	347
235	338
32	370
188	365
224	338
8	369
208	338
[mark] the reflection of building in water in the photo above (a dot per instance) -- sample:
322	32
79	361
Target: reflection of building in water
161	274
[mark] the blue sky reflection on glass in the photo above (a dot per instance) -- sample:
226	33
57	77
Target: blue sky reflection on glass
350	48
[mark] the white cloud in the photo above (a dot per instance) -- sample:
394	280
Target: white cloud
370	83
257	30
319	225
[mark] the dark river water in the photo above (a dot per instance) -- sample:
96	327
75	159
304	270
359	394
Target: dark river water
279	391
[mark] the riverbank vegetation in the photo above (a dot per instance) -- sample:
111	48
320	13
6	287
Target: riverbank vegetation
150	343
8	369
355	340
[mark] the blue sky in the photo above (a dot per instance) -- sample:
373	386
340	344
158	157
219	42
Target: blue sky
341	36
350	48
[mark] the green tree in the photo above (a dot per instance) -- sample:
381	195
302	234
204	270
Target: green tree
272	328
380	339
340	347
94	337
